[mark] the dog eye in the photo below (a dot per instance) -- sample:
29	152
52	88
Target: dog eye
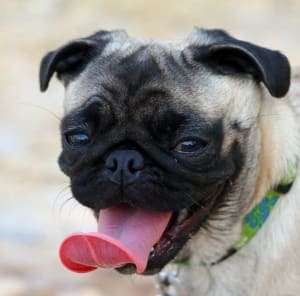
77	138
191	146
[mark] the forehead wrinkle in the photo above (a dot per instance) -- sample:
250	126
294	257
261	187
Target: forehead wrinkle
151	60
136	70
199	89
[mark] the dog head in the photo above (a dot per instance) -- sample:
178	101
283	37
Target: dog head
166	127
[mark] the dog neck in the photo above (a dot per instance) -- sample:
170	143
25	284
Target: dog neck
259	214
279	154
168	279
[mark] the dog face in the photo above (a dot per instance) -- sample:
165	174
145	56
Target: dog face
166	127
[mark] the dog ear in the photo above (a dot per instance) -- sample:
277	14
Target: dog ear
228	55
65	60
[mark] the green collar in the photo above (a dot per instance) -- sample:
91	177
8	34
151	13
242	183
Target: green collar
255	219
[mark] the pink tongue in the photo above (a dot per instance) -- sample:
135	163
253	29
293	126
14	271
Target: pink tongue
125	235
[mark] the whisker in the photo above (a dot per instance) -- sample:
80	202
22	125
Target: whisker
41	108
59	195
73	206
192	199
64	204
263	115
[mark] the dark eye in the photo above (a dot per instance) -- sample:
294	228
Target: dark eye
191	146
77	138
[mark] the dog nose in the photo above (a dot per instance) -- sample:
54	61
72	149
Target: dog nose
124	166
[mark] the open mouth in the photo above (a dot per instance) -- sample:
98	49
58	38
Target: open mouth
180	229
132	240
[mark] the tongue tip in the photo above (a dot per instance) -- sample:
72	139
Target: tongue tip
125	235
78	241
66	259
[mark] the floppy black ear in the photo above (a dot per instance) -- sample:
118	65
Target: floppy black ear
228	55
66	59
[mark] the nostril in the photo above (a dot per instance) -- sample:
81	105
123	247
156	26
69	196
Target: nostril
131	168
135	164
112	164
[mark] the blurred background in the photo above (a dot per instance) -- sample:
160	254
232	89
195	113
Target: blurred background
36	211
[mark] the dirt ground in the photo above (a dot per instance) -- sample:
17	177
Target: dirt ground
35	210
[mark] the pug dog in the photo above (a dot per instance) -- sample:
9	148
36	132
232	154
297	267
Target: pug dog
196	133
